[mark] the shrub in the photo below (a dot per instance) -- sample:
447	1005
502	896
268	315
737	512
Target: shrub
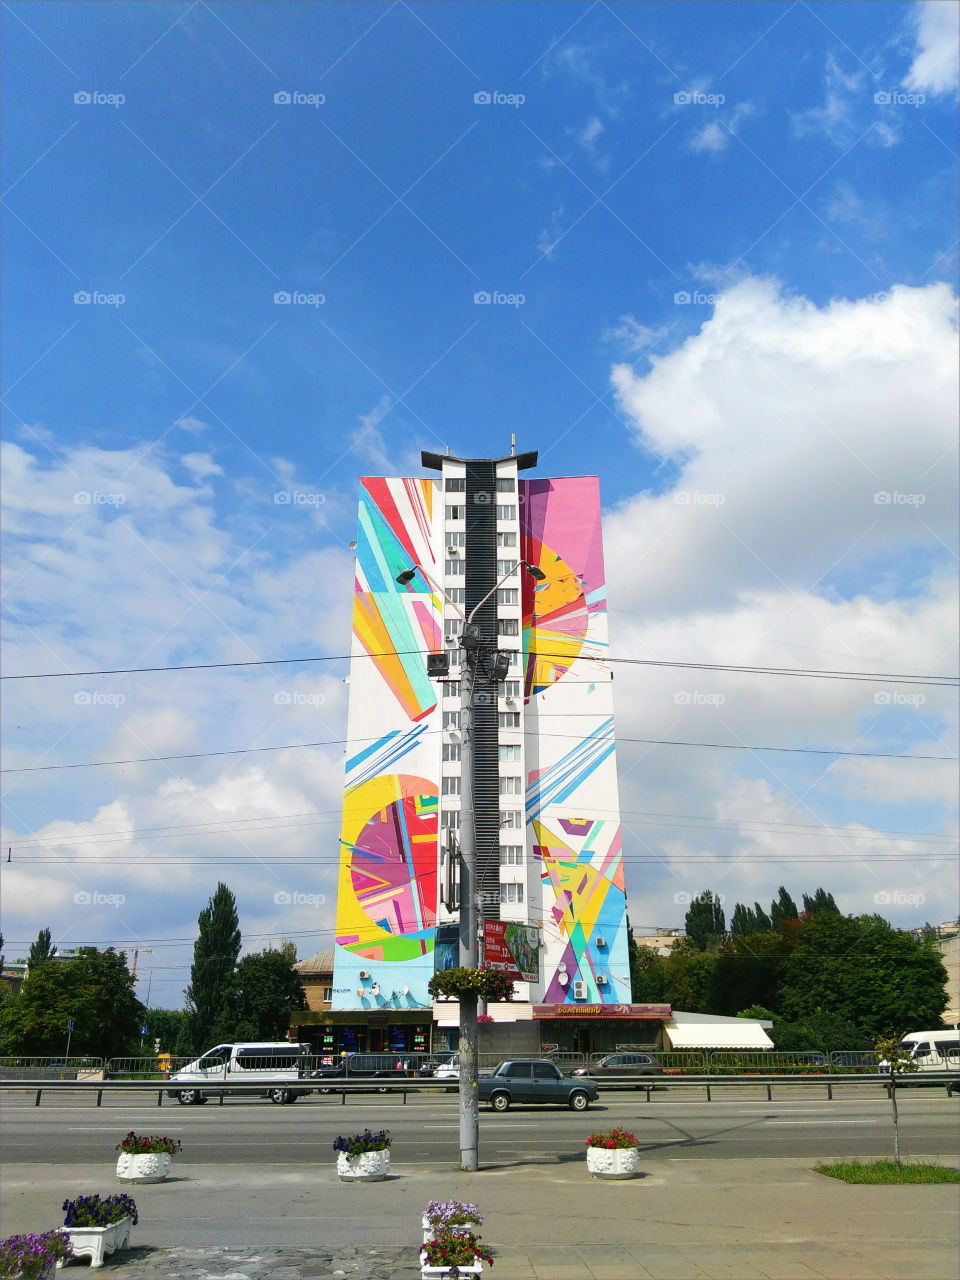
484	983
92	1211
32	1256
617	1139
357	1144
454	1249
137	1144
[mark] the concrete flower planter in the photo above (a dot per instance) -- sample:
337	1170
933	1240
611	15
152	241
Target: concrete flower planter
371	1166
463	1269
153	1167
95	1242
623	1162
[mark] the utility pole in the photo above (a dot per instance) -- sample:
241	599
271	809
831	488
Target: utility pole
472	647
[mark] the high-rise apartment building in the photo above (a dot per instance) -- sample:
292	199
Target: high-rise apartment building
545	783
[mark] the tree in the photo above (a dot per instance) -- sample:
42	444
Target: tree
782	907
262	994
165	1025
748	972
704	922
95	988
863	971
889	1050
215	955
41	950
821	901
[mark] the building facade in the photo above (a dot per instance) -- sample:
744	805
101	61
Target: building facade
549	852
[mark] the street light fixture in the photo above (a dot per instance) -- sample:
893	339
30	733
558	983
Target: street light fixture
471	641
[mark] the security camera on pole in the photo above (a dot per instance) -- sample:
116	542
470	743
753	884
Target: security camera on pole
480	658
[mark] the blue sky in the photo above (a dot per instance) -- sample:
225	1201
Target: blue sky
720	246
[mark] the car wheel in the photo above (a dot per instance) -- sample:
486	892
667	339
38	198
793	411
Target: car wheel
325	1089
189	1098
500	1102
579	1101
281	1095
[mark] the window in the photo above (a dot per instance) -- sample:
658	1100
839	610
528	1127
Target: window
451	689
511	689
506	513
454	567
505	720
450	786
545	1071
506	484
457	595
511	819
511	786
508	595
505	566
508	753
450	819
326	994
451	720
511	855
511	893
458	539
516	1070
508	627
453	513
455	484
506	539
451	626
451	752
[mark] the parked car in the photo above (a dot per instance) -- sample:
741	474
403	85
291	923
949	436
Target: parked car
533	1080
622	1066
363	1066
929	1051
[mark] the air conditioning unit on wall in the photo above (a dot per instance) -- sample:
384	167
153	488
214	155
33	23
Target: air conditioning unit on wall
579	990
601	980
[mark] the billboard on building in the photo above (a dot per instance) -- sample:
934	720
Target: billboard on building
513	949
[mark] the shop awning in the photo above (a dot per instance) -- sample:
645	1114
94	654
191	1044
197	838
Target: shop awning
736	1033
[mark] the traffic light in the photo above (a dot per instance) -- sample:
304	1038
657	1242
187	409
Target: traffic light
438	664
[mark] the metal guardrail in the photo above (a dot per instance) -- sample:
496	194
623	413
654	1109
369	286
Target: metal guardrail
649	1085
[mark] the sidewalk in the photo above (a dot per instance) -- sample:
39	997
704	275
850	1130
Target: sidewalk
690	1220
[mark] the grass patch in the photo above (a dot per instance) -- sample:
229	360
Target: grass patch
876	1173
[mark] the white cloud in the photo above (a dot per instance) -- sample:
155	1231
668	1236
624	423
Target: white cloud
785	420
551	236
935	64
835	118
715	135
201	465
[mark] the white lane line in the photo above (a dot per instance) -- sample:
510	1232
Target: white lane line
789	1122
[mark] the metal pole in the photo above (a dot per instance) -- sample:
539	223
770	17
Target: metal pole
469	1106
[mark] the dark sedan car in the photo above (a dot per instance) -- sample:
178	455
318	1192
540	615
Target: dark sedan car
360	1067
526	1080
622	1066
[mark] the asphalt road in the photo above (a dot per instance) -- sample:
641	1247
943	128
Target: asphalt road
72	1130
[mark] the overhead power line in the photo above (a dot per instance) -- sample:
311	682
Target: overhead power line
604	659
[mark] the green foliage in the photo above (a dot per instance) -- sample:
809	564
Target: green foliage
863	970
484	983
165	1025
215	955
757	1012
820	901
704	923
782	908
41	950
825	1030
96	989
746	920
260	996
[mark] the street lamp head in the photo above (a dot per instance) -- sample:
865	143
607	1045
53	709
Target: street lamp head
406	577
537	574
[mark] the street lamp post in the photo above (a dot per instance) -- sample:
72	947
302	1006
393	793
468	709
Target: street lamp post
471	643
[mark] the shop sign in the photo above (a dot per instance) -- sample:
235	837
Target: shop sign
601	1011
513	949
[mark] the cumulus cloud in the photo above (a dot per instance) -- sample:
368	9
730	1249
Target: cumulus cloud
935	63
809	523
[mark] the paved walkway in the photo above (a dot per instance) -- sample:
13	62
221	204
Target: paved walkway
688	1219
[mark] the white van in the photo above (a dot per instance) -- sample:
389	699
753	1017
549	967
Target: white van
277	1065
931	1051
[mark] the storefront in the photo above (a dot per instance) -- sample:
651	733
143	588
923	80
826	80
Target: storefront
598	1028
331	1033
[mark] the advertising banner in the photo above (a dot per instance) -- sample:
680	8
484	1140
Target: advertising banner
513	949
